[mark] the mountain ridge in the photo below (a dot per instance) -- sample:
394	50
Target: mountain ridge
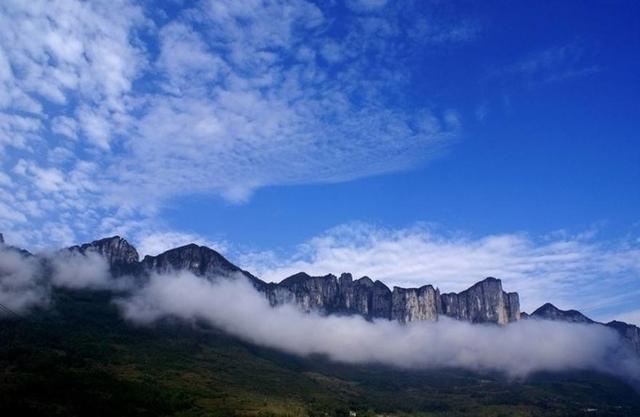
483	302
630	333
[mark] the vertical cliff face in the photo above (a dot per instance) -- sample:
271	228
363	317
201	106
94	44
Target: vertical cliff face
413	304
484	302
329	294
309	293
513	306
121	256
381	300
199	260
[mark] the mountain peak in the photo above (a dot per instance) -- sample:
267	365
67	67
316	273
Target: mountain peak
550	312
115	249
303	277
489	280
201	260
548	307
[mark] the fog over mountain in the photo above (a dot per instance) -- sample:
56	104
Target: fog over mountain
325	315
21	283
516	349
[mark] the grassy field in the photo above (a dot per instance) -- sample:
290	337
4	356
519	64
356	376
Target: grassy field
81	359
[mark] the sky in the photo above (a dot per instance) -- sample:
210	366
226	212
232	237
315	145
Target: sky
412	141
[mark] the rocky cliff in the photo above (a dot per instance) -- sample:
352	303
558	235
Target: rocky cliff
120	254
485	302
200	260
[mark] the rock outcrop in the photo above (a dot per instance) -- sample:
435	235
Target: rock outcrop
484	302
413	304
120	254
199	260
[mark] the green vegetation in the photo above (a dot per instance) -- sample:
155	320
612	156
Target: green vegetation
82	359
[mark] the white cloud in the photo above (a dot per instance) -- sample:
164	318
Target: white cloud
517	349
8	214
21	281
221	98
66	126
56	48
569	271
75	270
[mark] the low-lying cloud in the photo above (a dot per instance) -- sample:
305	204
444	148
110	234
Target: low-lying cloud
21	281
26	281
517	349
235	306
75	270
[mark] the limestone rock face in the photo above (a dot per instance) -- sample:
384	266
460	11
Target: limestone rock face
513	306
363	296
199	260
311	293
329	294
354	296
412	304
381	301
484	302
121	256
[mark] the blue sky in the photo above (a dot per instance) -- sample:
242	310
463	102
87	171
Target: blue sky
417	142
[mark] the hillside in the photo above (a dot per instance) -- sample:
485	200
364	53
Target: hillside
83	359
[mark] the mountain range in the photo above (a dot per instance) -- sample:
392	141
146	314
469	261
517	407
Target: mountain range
483	302
81	356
